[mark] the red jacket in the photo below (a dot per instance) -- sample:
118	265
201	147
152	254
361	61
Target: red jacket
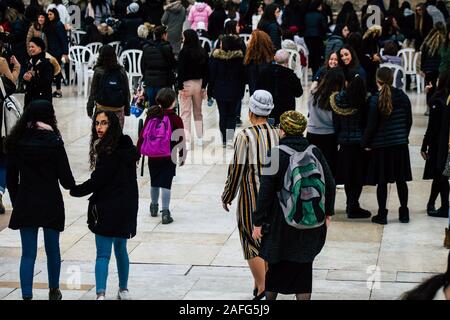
175	123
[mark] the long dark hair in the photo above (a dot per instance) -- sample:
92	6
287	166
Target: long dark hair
333	80
51	25
36	24
385	78
110	140
36	110
355	61
356	90
192	45
428	289
107	58
268	15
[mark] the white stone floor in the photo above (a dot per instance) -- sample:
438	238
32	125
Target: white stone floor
199	255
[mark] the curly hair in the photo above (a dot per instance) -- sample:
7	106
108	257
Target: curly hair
260	48
108	143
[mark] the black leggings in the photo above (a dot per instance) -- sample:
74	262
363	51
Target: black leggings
58	77
402	190
439	186
227	119
353	192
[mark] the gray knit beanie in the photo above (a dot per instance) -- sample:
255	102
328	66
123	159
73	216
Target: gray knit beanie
261	103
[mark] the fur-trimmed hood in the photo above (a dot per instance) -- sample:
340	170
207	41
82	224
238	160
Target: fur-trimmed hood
175	6
373	31
340	105
227	55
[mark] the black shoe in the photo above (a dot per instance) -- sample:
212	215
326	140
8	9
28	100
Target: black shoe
403	214
260	296
2	207
27	298
358	213
431	209
57	94
154	210
54	294
166	218
255	292
381	217
439	213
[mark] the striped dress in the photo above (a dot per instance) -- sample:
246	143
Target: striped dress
250	154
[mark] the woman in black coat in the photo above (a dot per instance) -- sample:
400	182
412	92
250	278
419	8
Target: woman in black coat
386	138
36	165
39	75
269	24
290	252
227	81
435	148
113	206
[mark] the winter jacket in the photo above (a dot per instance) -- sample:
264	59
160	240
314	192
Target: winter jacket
40	85
226	75
428	62
283	242
157	64
253	73
348	121
444	55
33	32
315	25
192	68
58	43
177	131
334	43
113	205
199	12
17	39
392	130
284	85
274	32
128	27
34	172
173	17
151	10
99	72
216	24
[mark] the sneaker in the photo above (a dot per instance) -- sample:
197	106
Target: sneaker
210	102
154	210
101	296
439	213
57	94
166	218
54	294
27	297
230	145
340	186
123	295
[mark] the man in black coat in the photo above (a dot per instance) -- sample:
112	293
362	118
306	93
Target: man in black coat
129	25
282	83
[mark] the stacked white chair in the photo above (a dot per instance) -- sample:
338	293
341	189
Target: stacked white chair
75	36
294	62
82	59
245	37
131	60
303	69
94	47
205	41
407	56
116	45
420	81
396	69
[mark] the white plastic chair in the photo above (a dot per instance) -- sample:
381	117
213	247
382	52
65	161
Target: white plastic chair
294	61
116	45
245	37
75	36
204	41
420	81
131	60
94	47
82	59
408	56
304	69
397	70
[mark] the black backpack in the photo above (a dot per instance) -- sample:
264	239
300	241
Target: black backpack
110	93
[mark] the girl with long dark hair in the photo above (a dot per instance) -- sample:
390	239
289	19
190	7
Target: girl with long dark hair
269	25
113	206
35	150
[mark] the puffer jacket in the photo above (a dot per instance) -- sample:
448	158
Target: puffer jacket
199	12
157	64
392	130
348	121
334	43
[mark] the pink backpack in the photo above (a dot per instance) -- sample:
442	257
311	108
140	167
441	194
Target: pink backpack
157	135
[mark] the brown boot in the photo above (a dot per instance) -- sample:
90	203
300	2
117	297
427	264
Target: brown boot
447	238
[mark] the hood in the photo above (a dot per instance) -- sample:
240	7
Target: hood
126	150
38	145
174	7
298	143
227	55
408	12
200	6
339	104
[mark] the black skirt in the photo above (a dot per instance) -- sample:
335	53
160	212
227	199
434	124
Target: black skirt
389	165
161	173
288	277
326	143
433	168
351	165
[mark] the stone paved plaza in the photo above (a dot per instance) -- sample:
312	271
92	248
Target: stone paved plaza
199	255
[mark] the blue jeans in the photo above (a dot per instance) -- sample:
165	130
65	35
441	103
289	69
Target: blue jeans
104	245
2	174
29	237
151	93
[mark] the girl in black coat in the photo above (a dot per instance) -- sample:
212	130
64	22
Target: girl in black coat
386	138
36	164
227	81
435	148
113	206
348	113
269	24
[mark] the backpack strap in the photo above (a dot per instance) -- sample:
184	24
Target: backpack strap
286	149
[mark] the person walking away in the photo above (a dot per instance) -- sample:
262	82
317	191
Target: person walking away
35	149
113	206
173	17
290	245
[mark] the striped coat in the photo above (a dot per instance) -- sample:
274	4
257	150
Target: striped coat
250	153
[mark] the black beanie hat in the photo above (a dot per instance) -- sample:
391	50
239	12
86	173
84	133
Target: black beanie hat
39	42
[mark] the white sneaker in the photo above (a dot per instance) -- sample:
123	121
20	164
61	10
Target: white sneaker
123	295
340	186
230	145
101	297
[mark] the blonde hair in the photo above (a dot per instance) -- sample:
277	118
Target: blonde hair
142	31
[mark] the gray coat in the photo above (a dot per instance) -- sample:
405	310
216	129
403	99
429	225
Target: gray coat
173	18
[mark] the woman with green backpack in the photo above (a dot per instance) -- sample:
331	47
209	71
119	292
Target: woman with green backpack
290	242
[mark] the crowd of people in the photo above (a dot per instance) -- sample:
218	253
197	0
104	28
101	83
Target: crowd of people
357	127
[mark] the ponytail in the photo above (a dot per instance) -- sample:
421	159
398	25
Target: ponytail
385	79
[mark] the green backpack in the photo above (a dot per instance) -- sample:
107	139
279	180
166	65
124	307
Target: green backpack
302	197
